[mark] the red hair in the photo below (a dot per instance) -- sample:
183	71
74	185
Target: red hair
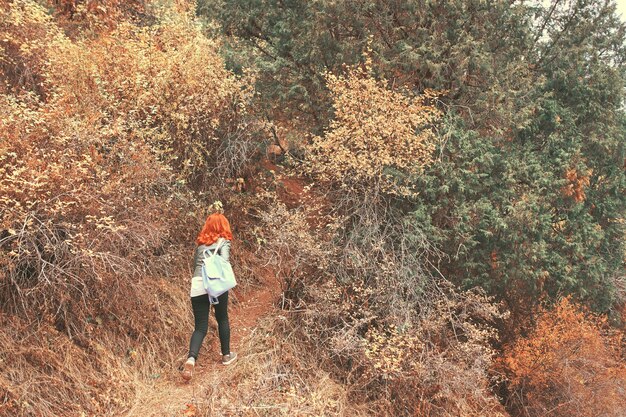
216	226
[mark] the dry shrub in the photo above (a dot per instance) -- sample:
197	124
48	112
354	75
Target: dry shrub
436	366
378	135
277	376
90	18
401	341
294	253
168	84
99	140
83	195
361	295
379	139
26	29
570	364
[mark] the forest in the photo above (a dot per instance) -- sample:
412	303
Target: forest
426	197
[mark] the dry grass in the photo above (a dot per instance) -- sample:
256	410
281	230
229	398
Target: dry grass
132	337
275	376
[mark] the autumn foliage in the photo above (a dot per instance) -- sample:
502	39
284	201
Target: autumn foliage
378	135
101	139
105	134
436	163
577	183
569	364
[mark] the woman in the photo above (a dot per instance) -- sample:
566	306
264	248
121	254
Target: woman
215	233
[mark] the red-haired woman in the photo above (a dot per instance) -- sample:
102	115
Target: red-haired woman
215	232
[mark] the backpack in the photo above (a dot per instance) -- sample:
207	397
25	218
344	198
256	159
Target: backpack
217	274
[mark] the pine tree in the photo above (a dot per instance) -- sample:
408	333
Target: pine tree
526	197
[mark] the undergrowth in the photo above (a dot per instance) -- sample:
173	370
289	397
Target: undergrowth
111	145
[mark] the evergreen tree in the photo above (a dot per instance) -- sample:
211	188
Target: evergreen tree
527	197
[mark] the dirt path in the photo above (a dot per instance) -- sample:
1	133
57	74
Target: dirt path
170	395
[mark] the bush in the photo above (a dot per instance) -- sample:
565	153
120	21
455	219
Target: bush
101	139
378	136
401	341
569	364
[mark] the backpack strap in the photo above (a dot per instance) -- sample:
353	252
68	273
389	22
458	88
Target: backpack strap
215	250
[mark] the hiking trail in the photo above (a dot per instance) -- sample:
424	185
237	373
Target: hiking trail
170	395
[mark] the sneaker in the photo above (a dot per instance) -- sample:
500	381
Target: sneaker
188	369
228	359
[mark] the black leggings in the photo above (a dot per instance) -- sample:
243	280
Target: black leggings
200	305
